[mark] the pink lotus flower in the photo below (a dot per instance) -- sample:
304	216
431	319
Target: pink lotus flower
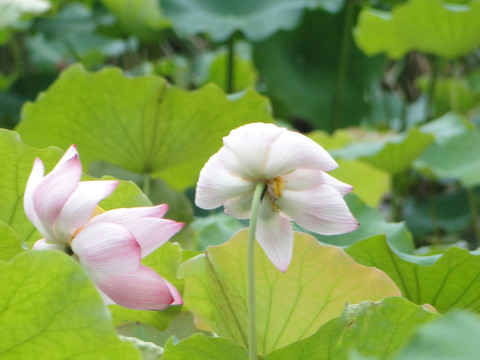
292	167
110	245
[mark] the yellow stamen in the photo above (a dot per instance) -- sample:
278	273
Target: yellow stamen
278	186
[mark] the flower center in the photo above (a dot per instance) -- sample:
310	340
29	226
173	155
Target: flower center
274	190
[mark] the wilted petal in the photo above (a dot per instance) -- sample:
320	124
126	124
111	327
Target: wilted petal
275	235
246	149
304	179
51	194
141	289
125	215
151	233
108	248
216	185
292	151
42	244
320	209
239	207
81	204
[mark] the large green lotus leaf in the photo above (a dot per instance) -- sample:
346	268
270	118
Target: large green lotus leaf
17	162
371	223
50	310
141	124
451	280
291	305
165	260
446	127
369	183
257	20
454	336
456	158
393	155
10	246
372	329
141	18
429	26
201	347
300	69
215	229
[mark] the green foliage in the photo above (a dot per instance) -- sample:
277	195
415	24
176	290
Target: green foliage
50	308
373	329
291	305
449	281
454	336
429	26
141	124
256	20
301	70
10	246
201	347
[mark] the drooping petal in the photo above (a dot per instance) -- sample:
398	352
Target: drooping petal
142	289
320	209
81	205
216	185
239	207
275	235
151	233
42	244
292	150
108	248
247	148
125	215
53	191
304	179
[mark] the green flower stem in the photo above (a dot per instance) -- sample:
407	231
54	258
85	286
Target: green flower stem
252	329
474	210
147	184
429	109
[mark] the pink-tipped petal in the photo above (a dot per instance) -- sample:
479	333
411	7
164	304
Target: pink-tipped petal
69	154
81	204
53	191
246	149
239	207
35	178
125	215
42	244
304	179
142	289
275	235
216	185
151	233
107	248
320	209
292	151
177	298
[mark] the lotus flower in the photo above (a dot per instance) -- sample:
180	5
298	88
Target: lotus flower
297	188
109	245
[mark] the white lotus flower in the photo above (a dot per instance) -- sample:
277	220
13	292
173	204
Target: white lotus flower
297	188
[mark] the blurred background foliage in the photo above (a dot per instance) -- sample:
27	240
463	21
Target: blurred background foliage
390	87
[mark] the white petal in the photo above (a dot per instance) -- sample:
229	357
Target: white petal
292	151
141	289
275	235
69	154
125	215
81	204
304	179
151	233
107	248
320	209
42	244
240	206
216	185
53	191
35	178
247	148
